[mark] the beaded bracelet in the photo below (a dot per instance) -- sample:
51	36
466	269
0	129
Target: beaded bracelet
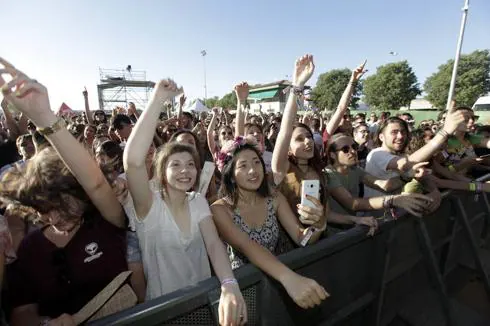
475	186
229	281
388	201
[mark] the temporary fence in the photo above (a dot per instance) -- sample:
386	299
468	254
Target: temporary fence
405	271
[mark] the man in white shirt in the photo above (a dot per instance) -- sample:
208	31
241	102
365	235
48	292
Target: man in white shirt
388	160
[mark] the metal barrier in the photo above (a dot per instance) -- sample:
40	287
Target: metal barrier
371	280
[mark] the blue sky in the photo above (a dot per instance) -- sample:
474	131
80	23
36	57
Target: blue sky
63	43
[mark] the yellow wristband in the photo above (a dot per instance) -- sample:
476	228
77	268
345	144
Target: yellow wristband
472	186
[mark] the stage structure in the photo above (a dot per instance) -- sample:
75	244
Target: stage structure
119	87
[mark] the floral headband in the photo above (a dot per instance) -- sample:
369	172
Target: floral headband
229	148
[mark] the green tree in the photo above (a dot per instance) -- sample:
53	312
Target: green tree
330	86
211	102
472	81
228	101
394	85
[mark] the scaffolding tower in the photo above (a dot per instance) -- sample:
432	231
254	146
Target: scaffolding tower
119	87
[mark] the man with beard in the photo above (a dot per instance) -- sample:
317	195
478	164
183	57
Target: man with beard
389	161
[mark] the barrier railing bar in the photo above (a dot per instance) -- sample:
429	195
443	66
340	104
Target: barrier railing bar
433	269
185	301
474	248
484	234
384	252
347	311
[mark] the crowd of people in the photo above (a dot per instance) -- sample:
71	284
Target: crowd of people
178	198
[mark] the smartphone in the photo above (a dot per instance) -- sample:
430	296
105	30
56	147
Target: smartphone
311	188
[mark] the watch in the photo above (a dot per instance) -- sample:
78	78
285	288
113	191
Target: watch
55	127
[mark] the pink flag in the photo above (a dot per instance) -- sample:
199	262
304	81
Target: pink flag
65	110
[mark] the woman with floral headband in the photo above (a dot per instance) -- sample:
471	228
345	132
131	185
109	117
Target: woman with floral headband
248	217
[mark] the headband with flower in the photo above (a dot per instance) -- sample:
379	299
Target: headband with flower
229	148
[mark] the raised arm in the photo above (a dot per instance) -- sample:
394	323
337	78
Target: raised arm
139	143
425	153
241	91
303	71
334	121
210	131
181	107
32	99
11	124
90	119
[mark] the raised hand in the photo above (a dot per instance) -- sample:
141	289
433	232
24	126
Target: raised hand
182	100
305	292
164	90
359	71
454	121
215	110
241	91
26	94
85	92
303	70
132	109
420	170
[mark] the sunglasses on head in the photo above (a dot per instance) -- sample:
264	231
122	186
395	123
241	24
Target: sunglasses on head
346	149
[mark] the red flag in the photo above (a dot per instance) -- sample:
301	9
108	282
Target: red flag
65	110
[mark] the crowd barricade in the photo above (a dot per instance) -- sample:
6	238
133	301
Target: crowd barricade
370	279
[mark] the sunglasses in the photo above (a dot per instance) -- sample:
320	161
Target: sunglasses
229	133
346	149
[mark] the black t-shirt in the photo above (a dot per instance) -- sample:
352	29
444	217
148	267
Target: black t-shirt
8	153
63	280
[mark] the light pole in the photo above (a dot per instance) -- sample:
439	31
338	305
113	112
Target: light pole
203	53
452	85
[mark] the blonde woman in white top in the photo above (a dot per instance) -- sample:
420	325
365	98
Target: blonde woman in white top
175	229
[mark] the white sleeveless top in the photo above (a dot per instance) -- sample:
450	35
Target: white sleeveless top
172	260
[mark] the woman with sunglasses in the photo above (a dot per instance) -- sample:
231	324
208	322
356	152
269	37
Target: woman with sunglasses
81	248
344	177
174	226
248	218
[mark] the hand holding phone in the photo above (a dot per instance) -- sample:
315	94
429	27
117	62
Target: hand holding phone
310	188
